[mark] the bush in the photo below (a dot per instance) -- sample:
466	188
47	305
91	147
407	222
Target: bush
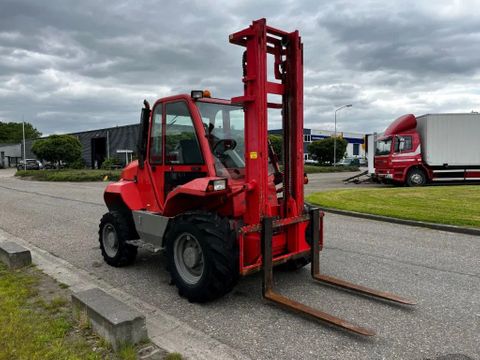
323	150
112	163
313	169
70	175
58	148
78	164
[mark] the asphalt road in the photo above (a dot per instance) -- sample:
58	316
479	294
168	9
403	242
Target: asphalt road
334	181
440	270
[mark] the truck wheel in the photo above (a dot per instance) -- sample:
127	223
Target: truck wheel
416	177
202	256
115	229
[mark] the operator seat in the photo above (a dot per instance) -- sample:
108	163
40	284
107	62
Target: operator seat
190	152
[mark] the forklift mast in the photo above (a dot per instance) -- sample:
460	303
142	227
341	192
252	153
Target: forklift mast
260	41
286	49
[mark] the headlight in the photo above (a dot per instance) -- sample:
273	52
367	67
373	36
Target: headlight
217	185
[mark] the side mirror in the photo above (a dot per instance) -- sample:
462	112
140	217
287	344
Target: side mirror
143	134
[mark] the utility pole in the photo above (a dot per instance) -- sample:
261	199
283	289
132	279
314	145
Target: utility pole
108	145
335	138
24	153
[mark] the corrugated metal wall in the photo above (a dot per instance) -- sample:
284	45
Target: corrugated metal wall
118	138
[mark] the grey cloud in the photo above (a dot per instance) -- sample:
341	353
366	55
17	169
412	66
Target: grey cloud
419	43
70	66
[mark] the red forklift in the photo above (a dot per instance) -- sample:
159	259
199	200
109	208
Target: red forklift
207	187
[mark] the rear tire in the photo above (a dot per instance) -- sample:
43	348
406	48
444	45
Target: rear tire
202	256
116	228
416	177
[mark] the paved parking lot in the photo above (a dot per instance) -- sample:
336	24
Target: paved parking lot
440	270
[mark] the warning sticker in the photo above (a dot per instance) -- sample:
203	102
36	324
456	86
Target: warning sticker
253	155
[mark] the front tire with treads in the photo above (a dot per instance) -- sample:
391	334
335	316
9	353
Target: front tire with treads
116	228
202	256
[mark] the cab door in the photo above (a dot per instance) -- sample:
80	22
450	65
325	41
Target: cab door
183	158
155	154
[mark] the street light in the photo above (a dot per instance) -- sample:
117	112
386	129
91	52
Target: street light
335	138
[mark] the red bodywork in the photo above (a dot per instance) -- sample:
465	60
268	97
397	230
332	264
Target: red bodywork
395	165
247	200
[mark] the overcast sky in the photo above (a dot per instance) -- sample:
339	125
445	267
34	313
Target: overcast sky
77	65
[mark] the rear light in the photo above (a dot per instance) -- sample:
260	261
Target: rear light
217	185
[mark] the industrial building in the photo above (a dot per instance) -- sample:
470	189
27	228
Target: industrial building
10	155
355	146
98	145
120	142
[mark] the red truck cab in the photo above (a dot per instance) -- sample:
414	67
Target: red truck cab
398	155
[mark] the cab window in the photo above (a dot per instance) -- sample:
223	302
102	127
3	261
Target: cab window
181	142
156	136
403	144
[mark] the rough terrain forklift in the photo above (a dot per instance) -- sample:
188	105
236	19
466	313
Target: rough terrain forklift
208	189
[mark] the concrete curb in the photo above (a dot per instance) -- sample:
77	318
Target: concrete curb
164	330
449	228
115	321
14	255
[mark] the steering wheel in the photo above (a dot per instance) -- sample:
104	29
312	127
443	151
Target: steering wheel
223	145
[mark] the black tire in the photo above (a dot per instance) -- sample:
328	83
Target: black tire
416	177
122	224
218	259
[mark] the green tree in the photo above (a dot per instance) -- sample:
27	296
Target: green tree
322	150
277	144
58	148
12	133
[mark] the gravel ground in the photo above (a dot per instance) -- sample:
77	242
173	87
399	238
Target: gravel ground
440	270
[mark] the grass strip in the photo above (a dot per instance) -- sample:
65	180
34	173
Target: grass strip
32	328
69	175
314	169
451	205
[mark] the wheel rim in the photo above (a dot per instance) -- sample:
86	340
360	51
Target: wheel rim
110	240
417	178
188	257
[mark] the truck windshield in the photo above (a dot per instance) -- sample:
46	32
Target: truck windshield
383	146
224	126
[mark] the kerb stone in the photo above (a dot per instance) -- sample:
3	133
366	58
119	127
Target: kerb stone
14	255
115	321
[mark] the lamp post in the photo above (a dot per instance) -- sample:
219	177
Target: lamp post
335	138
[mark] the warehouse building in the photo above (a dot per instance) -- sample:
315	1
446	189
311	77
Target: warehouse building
10	155
120	142
355	146
98	145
